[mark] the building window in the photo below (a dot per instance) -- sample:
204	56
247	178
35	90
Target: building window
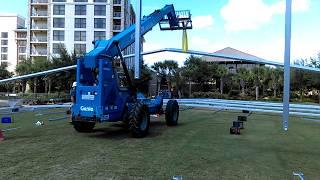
100	1
80	48
58	10
99	10
4	35
4	50
80	10
58	35
99	35
58	22
4	42
5	64
80	35
22	50
56	48
22	43
80	0
80	23
58	0
100	23
22	57
4	56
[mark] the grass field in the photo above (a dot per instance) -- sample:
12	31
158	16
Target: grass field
199	148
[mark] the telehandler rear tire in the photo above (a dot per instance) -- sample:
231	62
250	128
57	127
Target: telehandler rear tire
172	113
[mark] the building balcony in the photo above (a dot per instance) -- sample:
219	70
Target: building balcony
39	52
39	2
39	39
39	27
117	2
22	51
117	27
117	14
38	14
21	37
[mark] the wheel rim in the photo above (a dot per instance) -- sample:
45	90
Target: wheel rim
144	121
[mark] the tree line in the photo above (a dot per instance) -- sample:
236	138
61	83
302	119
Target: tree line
59	82
198	78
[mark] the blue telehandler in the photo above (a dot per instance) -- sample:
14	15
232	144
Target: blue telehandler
105	91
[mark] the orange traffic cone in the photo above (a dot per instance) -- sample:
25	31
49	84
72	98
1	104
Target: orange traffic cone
1	135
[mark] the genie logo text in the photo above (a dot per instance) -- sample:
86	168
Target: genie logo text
83	108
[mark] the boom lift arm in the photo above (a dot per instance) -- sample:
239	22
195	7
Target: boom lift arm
108	48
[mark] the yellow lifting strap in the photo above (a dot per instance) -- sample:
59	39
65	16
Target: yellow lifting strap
184	41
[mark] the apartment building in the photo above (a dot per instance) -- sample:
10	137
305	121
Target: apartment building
21	44
74	24
12	35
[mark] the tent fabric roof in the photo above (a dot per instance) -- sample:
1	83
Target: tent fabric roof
230	51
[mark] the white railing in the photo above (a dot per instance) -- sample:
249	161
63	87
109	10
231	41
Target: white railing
21	36
40	13
39	39
39	52
39	1
40	26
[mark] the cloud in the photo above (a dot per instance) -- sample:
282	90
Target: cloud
252	14
300	49
203	22
204	44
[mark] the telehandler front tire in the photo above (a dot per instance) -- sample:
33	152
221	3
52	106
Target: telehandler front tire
139	120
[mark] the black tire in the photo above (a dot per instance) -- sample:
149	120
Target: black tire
172	113
139	120
83	126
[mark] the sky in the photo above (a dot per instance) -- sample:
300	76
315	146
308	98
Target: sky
252	26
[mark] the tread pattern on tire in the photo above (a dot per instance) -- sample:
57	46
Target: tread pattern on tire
171	107
135	119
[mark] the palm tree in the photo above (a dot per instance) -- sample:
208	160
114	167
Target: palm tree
24	67
4	74
244	76
187	73
257	75
190	68
222	72
171	69
179	81
276	80
315	62
265	79
160	69
166	70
